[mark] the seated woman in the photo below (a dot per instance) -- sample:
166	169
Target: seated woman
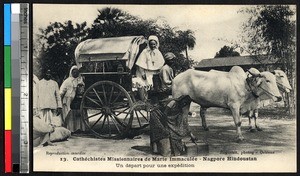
41	132
149	63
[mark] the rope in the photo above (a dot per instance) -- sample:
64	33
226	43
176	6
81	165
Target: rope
267	91
282	86
251	90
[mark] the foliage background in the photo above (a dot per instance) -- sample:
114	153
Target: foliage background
54	45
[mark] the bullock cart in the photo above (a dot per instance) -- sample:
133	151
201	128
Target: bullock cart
109	106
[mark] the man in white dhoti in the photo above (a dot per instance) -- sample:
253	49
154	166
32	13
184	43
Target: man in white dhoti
41	130
49	101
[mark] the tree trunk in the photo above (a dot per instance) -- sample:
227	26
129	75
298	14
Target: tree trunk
291	98
289	64
186	52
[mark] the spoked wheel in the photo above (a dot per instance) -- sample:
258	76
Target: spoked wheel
105	108
138	119
139	116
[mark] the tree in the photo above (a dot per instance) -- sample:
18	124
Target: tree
182	64
112	22
55	44
59	41
227	51
187	39
270	30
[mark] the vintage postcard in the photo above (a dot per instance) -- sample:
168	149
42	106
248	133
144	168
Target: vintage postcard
164	88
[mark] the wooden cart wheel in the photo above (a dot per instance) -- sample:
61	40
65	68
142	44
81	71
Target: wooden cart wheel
105	108
139	116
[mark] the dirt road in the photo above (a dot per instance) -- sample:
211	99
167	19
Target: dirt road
278	139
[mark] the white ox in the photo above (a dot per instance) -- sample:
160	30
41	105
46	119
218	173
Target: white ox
282	83
284	87
228	90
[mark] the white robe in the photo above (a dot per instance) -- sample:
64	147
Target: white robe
72	118
149	63
48	100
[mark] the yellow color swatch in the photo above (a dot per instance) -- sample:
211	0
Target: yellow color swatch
8	107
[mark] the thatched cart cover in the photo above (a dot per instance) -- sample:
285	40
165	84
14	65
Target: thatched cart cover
103	49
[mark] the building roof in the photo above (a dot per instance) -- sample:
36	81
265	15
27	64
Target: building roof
232	61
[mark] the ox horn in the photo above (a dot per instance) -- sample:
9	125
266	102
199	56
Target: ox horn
254	72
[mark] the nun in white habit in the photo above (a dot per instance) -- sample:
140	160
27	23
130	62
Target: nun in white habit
149	62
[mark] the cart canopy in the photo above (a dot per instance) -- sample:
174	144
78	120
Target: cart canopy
104	49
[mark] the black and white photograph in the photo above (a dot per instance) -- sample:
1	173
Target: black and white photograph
164	88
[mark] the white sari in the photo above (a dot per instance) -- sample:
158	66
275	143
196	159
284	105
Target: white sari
72	118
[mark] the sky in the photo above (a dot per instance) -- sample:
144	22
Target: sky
214	25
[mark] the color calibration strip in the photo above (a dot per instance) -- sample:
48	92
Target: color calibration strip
24	88
15	84
7	89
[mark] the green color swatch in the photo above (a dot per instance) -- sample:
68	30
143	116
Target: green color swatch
7	66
